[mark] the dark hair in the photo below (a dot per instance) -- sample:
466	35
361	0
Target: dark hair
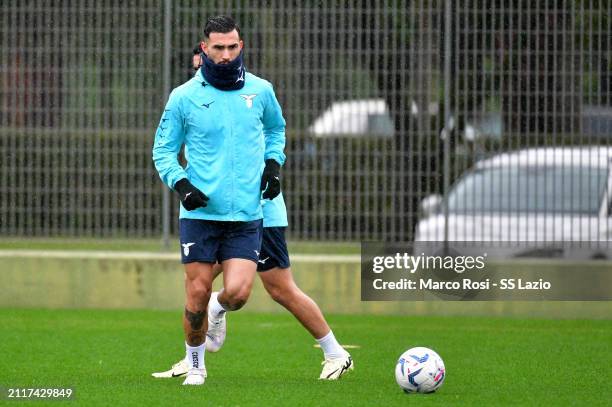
220	24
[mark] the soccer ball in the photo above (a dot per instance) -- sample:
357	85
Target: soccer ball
419	370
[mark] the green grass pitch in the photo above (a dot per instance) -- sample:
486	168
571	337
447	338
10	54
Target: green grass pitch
107	356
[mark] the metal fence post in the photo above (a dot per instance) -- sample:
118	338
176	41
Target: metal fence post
167	59
446	131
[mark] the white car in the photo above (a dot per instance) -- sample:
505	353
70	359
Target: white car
560	194
354	118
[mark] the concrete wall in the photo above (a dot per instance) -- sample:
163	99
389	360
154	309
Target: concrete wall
110	282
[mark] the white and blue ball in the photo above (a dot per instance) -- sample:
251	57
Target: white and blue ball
420	370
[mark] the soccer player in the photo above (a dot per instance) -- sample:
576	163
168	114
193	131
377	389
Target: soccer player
231	126
274	270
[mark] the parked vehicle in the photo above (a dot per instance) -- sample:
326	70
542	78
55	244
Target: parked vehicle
354	118
560	194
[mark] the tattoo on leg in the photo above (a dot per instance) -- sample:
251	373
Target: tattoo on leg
195	338
195	333
234	307
196	319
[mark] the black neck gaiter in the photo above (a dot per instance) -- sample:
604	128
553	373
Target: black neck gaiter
224	76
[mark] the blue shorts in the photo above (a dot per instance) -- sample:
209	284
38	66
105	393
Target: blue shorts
211	241
273	249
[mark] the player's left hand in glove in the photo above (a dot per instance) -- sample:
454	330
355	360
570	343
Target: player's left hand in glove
191	197
270	180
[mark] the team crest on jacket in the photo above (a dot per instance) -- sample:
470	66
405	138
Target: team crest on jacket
248	99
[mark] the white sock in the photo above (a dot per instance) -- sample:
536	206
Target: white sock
216	309
331	347
195	356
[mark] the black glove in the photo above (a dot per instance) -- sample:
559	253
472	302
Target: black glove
270	180
191	197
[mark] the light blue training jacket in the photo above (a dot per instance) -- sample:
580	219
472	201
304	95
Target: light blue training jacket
227	137
274	212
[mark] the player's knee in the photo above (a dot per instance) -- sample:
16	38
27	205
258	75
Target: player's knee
236	298
281	294
198	292
277	294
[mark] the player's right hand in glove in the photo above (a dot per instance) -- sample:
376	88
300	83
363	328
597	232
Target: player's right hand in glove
191	197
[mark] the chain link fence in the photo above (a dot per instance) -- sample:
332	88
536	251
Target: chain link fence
387	102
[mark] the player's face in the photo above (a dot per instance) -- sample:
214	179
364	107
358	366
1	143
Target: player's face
222	48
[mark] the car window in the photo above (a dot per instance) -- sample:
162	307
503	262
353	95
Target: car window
380	125
551	189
